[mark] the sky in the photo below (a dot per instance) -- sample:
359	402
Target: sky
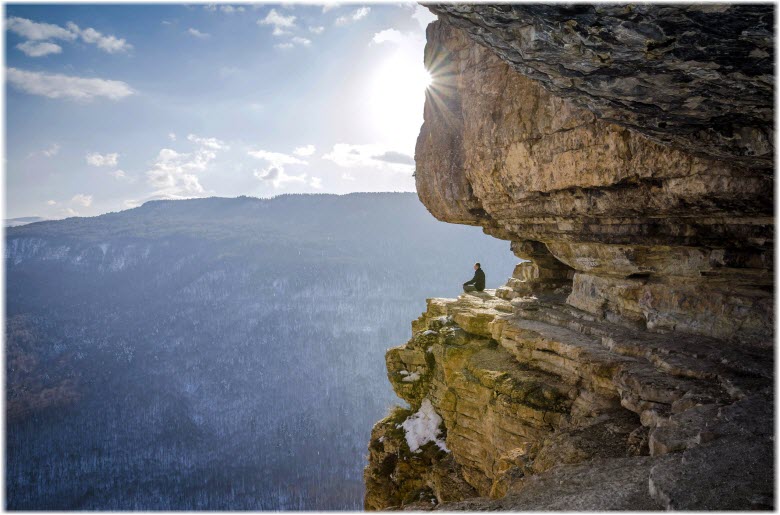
109	106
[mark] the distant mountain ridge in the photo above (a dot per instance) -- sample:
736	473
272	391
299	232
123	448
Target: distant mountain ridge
23	220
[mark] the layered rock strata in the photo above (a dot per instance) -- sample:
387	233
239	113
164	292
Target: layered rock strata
628	364
700	77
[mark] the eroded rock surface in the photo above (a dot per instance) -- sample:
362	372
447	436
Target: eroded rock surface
699	77
531	392
629	363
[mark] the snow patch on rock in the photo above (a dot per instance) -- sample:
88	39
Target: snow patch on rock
423	427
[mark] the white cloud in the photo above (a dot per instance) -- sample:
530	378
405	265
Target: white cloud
52	151
51	202
317	30
388	36
172	136
391	156
227	9
95	159
173	174
423	15
198	34
279	22
409	41
35	31
293	42
362	156
212	143
305	151
316	183
82	200
40	49
274	172
107	43
55	85
328	7
347	176
276	158
356	15
278	178
120	175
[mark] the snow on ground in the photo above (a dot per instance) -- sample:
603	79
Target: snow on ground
423	427
414	376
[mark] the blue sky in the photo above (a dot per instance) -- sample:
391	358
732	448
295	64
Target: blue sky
108	106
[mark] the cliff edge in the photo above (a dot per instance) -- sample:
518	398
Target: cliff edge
629	363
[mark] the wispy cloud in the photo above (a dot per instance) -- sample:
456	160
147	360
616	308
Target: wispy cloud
293	42
120	175
356	15
423	15
39	49
276	158
96	159
227	9
198	34
280	22
39	32
317	30
55	85
51	151
82	200
388	36
395	157
35	31
212	143
361	156
275	172
305	151
107	43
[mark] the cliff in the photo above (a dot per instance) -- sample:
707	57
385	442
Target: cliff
628	364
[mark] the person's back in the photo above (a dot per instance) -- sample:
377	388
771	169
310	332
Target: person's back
477	283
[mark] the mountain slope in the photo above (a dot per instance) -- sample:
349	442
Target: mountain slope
215	353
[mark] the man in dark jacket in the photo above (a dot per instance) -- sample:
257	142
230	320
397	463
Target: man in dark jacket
477	283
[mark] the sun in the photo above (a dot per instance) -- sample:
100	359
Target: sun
397	95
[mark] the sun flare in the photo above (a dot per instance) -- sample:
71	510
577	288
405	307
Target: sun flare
397	95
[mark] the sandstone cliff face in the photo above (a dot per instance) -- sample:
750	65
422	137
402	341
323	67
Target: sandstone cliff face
629	363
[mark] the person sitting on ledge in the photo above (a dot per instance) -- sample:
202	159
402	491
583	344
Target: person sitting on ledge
477	283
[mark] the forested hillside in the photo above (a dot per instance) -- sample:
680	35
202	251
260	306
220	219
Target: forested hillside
223	354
